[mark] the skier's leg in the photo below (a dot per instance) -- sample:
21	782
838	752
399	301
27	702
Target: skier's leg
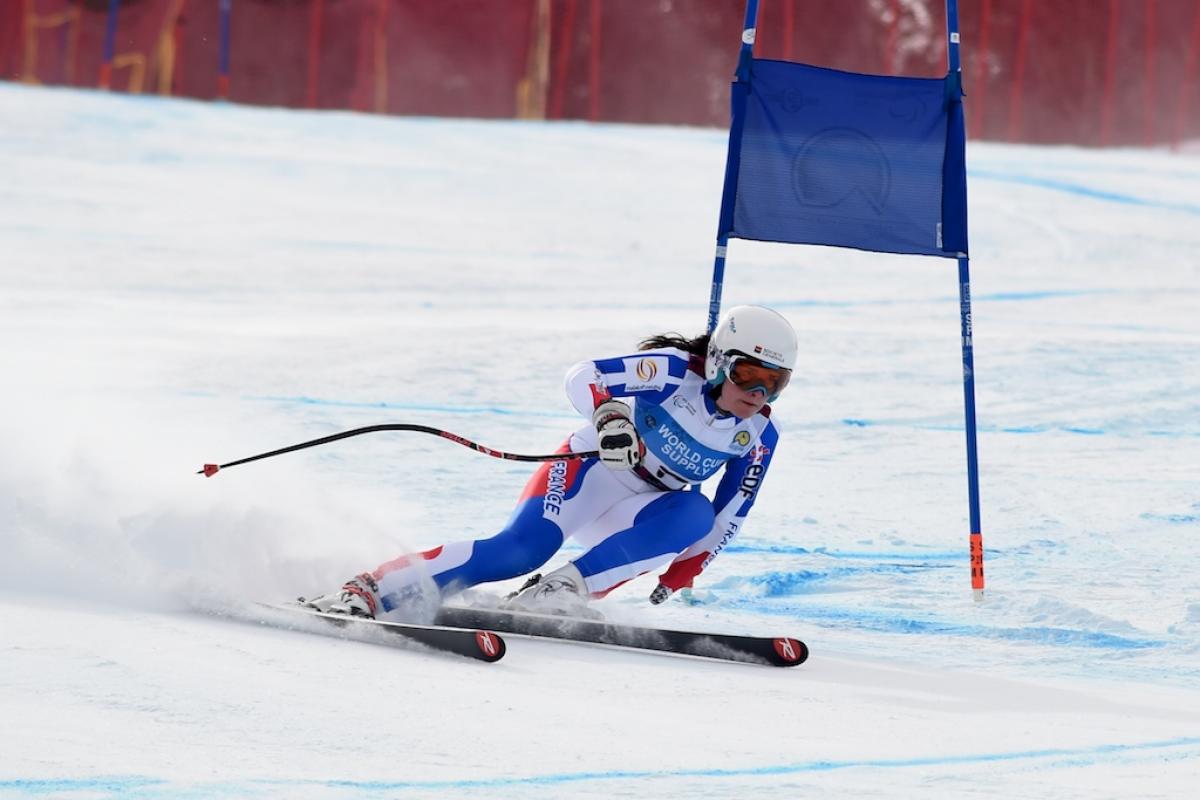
648	531
560	497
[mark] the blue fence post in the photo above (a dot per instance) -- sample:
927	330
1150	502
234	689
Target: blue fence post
226	10
110	46
968	350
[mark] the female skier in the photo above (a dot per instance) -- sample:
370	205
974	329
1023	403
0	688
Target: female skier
693	406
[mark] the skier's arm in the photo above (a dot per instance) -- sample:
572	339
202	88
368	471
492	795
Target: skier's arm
735	496
593	385
652	375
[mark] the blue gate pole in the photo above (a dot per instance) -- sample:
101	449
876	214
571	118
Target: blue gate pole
968	349
737	102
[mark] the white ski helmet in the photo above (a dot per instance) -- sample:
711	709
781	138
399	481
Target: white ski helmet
751	332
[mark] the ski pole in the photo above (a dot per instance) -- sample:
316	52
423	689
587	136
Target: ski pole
211	469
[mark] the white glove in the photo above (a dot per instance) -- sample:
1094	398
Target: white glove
620	446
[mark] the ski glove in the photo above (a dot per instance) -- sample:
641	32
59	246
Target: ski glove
660	594
620	446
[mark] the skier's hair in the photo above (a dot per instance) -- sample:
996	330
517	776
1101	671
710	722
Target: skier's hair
697	346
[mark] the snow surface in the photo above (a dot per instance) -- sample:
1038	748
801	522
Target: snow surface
184	282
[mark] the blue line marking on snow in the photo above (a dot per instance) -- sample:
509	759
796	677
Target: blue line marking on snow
445	408
830	303
883	623
787	584
1094	168
1045	294
796	550
391	406
252	787
777	584
1079	190
1078	430
995	297
790	583
1177	519
119	786
769	770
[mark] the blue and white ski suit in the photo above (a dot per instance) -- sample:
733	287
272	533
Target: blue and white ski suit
631	522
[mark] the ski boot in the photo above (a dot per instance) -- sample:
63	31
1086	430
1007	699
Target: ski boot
561	592
358	597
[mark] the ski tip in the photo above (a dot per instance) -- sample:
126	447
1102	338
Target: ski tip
491	647
789	652
208	470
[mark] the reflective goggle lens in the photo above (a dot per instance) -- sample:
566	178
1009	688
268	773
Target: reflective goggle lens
749	375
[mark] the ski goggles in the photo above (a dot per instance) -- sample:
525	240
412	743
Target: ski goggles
750	374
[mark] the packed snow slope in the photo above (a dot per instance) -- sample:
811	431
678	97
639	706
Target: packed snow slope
185	282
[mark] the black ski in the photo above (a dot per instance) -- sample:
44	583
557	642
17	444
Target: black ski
473	642
779	652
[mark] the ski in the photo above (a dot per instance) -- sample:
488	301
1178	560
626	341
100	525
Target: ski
472	642
779	652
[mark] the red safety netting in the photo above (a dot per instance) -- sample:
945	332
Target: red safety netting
1092	72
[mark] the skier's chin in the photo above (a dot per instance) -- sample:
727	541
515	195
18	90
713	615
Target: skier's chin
743	408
